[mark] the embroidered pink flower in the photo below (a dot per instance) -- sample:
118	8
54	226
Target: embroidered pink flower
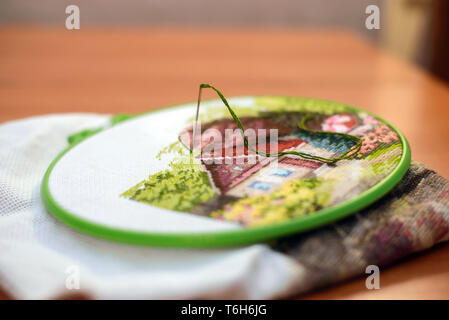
381	134
370	120
339	123
390	137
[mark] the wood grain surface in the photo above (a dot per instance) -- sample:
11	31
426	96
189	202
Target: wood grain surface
48	70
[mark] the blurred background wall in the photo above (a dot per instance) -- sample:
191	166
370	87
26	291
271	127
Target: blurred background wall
415	30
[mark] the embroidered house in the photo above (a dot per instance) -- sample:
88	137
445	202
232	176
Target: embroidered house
263	176
239	177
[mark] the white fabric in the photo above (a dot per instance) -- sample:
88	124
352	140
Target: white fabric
88	180
38	253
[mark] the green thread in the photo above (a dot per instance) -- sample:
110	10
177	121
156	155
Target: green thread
349	154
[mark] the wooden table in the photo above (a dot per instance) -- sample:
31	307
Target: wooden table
131	70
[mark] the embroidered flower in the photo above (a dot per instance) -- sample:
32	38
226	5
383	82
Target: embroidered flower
370	120
380	134
339	123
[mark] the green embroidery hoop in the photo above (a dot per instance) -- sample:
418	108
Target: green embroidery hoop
232	237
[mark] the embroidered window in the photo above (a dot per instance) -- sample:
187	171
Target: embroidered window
260	185
280	172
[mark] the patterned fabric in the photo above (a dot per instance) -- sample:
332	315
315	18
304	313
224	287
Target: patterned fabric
414	216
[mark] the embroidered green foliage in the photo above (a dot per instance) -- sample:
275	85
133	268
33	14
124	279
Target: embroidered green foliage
175	147
294	199
389	164
381	161
381	151
306	105
132	191
273	104
180	188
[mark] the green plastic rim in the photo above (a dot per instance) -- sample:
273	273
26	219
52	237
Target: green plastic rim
236	237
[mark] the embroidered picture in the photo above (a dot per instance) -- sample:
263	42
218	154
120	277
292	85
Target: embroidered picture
253	191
